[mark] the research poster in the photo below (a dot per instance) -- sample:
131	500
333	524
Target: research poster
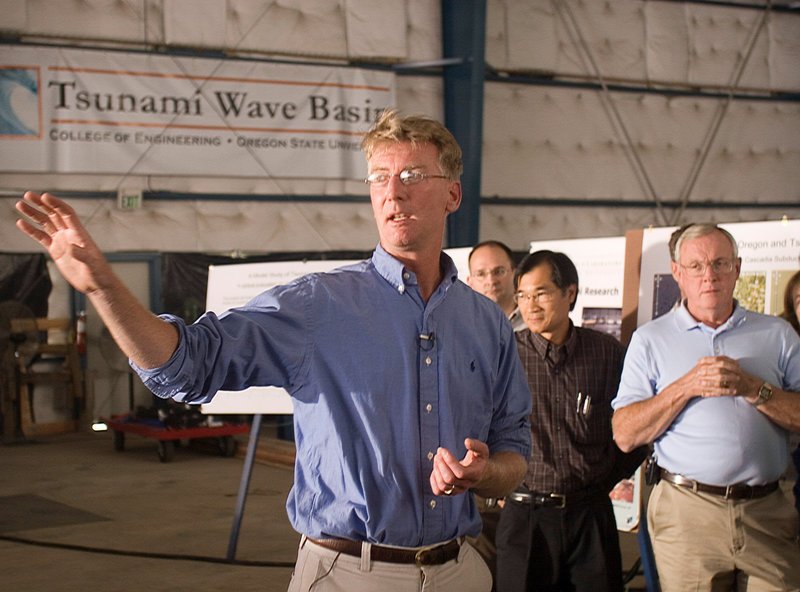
770	253
601	272
230	286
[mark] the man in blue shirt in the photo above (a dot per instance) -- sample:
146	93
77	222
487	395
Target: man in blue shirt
401	407
715	388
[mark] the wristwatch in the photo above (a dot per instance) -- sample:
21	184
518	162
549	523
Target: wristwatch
764	394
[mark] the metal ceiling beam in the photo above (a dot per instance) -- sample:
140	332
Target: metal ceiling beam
463	36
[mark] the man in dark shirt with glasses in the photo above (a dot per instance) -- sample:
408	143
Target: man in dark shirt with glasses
558	531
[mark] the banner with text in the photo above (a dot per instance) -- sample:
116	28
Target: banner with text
85	111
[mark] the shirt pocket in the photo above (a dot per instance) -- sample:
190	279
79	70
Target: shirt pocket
589	419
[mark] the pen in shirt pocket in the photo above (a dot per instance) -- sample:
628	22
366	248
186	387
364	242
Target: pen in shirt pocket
584	403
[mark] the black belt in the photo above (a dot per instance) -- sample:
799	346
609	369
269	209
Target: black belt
737	491
428	556
553	500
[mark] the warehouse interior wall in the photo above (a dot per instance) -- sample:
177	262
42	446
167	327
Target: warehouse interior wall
599	116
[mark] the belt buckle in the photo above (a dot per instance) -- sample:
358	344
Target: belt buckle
744	491
424	556
521	497
562	500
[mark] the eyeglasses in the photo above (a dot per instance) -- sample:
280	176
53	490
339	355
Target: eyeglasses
497	272
530	297
407	177
698	268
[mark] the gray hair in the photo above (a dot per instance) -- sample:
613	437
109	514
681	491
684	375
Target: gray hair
696	231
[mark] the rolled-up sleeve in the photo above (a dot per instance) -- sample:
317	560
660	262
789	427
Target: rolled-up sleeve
243	347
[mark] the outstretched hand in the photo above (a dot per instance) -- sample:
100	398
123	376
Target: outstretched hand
451	476
54	225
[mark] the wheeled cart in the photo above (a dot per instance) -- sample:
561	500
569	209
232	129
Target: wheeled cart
169	437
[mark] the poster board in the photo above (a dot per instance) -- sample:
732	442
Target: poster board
230	286
769	253
460	257
601	272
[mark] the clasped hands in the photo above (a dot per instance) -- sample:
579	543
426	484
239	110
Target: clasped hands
721	376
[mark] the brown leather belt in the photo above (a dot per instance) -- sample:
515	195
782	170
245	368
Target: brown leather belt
738	491
428	556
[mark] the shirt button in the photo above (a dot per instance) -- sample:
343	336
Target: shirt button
433	504
401	289
430	455
428	407
406	275
428	361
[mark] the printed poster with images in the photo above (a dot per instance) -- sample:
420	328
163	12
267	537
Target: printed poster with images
770	253
601	272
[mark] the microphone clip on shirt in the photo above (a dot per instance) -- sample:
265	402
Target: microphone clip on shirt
427	340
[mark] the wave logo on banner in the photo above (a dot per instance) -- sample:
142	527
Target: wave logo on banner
19	101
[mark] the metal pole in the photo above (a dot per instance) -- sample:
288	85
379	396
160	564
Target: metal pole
247	471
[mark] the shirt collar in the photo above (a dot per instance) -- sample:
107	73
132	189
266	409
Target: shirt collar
542	345
686	321
394	272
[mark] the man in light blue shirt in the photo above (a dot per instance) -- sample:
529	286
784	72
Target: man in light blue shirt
715	388
402	409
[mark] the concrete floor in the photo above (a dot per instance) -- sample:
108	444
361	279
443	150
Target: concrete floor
131	502
77	515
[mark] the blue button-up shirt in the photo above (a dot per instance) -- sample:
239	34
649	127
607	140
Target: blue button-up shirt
372	398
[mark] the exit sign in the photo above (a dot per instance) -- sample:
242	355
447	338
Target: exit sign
129	199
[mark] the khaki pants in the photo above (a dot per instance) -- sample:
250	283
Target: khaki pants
323	570
704	542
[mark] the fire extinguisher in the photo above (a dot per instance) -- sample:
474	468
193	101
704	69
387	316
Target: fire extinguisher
80	333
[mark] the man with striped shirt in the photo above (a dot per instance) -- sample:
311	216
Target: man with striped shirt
557	530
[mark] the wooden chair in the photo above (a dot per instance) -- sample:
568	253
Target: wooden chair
54	361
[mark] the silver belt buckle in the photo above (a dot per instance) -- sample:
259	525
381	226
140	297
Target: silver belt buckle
561	497
520	497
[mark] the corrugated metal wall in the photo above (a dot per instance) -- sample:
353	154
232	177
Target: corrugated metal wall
599	116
